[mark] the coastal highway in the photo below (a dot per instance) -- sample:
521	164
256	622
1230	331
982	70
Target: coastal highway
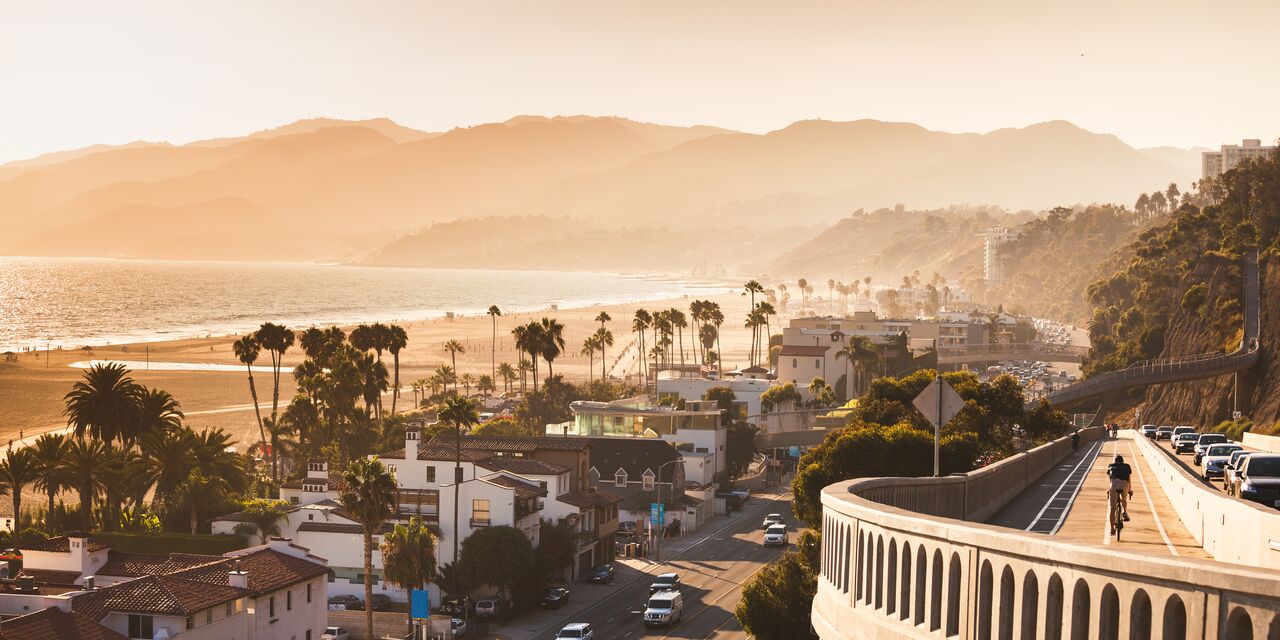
713	572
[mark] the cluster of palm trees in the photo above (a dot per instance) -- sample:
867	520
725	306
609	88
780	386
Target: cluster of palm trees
758	319
540	339
666	341
598	342
127	443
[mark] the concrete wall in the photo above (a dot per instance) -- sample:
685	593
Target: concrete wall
385	623
1261	442
1231	530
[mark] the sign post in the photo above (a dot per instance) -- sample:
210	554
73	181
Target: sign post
939	403
657	518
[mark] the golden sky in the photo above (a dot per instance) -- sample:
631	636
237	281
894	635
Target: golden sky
1152	72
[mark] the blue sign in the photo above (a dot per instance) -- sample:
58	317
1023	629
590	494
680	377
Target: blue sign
657	513
419	603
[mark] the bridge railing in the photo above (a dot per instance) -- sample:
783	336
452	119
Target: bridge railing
898	560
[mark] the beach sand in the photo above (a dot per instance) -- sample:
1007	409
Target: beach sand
32	389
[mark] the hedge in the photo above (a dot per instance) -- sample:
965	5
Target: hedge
205	544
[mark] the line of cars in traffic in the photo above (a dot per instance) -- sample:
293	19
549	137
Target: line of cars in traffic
1249	475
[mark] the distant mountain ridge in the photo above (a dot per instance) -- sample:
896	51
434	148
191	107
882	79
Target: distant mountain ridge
339	190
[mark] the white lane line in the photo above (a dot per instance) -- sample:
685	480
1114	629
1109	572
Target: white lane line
1065	480
1151	503
1062	517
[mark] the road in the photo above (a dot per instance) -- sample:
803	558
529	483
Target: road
713	572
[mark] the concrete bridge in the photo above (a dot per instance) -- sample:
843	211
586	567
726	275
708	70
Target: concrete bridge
978	353
925	557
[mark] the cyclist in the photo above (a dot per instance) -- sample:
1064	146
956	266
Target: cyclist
1075	440
1119	472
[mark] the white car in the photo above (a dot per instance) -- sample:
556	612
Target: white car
1215	457
335	633
576	631
771	519
776	535
458	628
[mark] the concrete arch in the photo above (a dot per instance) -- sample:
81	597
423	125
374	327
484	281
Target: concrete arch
1239	625
904	578
1109	614
846	546
868	569
1140	616
859	561
1053	602
891	579
1274	632
922	577
985	594
878	592
935	593
1175	619
1080	611
1005	614
953	595
1030	605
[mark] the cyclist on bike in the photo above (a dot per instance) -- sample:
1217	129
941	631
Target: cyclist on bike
1075	440
1119	472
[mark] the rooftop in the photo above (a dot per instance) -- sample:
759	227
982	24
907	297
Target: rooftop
523	466
132	565
585	499
269	570
156	595
522	489
55	623
59	544
514	444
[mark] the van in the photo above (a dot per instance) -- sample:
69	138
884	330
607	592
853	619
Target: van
664	608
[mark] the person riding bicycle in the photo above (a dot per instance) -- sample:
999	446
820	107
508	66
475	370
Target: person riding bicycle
1119	472
1075	440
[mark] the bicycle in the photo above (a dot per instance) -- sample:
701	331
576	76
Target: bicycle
1115	509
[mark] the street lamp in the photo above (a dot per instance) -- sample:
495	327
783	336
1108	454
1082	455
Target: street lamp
658	485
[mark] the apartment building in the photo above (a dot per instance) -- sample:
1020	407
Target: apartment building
1228	156
697	431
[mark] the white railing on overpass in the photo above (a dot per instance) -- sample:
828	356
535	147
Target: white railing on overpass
900	560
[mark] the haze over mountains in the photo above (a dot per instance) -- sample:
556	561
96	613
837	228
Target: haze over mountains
334	190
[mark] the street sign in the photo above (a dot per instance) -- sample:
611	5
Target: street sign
657	514
419	604
939	403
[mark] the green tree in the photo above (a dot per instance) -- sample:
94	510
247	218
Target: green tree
246	350
461	413
508	375
776	602
553	341
557	544
499	556
19	468
263	516
87	464
104	405
369	495
49	450
409	555
197	491
397	340
167	459
739	449
157	411
724	399
453	348
494	312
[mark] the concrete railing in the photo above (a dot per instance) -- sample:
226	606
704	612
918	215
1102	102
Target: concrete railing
1229	529
1261	442
899	562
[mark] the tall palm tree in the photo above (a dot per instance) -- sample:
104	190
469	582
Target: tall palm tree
520	334
397	339
494	312
215	457
485	385
167	459
754	319
603	318
716	317
49	450
157	411
639	325
276	339
604	338
831	286
467	381
553	341
460	412
19	468
766	311
104	404
246	350
679	323
804	289
525	367
589	350
121	472
87	463
409	555
508	374
697	309
858	352
369	495
453	348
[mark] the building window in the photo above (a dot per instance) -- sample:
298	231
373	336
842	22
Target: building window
191	622
231	609
271	607
795	363
315	466
817	363
208	616
480	512
308	635
293	499
288	601
620	479
308	592
648	480
391	468
141	627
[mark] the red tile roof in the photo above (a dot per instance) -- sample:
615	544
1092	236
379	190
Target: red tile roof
156	595
517	443
132	565
584	499
269	570
60	544
522	489
52	576
338	527
447	452
523	466
55	624
804	350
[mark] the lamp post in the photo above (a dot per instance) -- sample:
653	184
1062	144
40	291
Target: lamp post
658	485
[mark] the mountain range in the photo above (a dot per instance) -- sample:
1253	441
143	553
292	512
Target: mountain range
341	190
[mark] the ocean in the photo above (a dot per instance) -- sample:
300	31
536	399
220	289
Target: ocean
74	302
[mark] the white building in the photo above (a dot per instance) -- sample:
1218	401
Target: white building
1214	163
992	240
746	391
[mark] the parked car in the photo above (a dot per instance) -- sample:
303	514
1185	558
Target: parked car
1203	443
741	492
665	582
490	607
1164	433
1148	430
576	631
664	608
1185	443
771	519
627	528
458	628
776	535
459	606
1215	458
335	633
1259	479
554	598
1230	476
380	602
345	603
602	574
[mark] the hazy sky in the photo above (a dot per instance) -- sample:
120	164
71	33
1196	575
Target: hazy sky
1153	73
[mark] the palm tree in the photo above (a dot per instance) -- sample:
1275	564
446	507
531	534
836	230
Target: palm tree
754	319
397	339
858	351
460	412
49	450
446	376
525	368
214	456
158	411
804	288
19	468
603	317
263	515
453	348
105	404
766	311
494	312
369	495
276	339
639	325
553	343
86	462
679	323
589	350
467	381
409	555
246	350
199	489
523	342
716	317
485	384
508	374
167	459
604	338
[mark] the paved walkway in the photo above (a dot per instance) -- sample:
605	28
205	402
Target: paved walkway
1070	501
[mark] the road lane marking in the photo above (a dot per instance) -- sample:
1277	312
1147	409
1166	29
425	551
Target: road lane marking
1066	510
1151	503
1052	498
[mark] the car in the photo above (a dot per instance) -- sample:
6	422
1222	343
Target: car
576	631
346	603
458	628
664	608
1203	443
1164	433
771	519
741	493
1148	430
1215	458
335	633
1230	477
1259	479
380	602
459	606
1185	443
490	607
1181	429
776	535
627	528
554	598
665	582
602	574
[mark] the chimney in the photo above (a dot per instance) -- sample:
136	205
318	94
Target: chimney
88	583
318	468
236	577
411	436
78	546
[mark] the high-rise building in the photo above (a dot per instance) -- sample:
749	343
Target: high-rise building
994	237
1217	162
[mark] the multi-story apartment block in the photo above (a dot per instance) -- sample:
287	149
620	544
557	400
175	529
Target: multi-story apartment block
1228	156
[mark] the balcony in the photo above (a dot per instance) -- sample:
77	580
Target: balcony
479	522
587	537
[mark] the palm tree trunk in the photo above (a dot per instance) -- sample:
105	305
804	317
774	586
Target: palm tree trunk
719	355
457	487
86	504
453	357
195	518
17	509
493	351
51	496
253	391
368	583
395	393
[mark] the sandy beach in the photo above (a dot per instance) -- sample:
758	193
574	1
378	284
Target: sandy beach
32	389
